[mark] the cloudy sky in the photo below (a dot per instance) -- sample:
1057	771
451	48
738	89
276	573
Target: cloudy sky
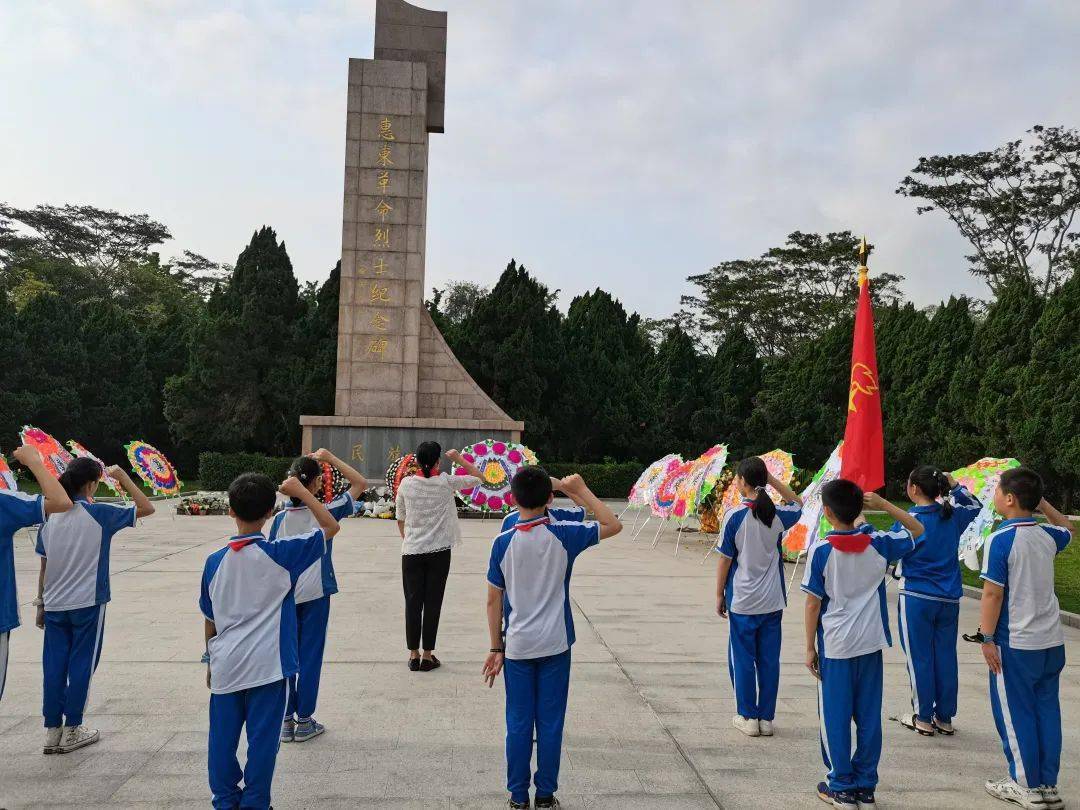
615	143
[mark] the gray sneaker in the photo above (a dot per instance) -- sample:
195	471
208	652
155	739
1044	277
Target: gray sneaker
1052	797
288	730
1009	791
52	740
76	737
306	729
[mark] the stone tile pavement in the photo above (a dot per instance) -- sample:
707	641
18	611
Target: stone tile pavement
650	704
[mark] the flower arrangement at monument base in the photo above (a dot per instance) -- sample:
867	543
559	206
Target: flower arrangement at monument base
204	503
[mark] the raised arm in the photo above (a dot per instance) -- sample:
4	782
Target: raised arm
294	489
357	483
574	488
874	501
56	499
143	506
786	492
1053	516
456	457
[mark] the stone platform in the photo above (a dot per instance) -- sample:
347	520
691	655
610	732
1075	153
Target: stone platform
650	704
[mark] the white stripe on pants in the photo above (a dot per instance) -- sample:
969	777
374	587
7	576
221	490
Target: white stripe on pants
5	640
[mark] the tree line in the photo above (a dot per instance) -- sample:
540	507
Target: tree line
107	341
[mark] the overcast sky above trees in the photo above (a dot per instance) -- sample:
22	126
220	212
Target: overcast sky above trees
616	143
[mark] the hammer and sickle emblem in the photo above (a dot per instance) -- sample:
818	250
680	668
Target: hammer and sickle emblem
862	382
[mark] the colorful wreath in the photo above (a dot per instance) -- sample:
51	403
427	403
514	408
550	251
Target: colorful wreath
664	499
152	467
400	469
695	487
54	455
7	477
81	452
780	466
498	461
641	493
334	484
981	479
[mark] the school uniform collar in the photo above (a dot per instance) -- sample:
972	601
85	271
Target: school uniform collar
238	542
529	525
1020	521
924	509
850	541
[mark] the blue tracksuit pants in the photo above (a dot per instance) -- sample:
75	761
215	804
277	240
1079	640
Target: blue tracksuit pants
928	634
536	692
1027	712
850	689
70	654
754	662
311	621
261	709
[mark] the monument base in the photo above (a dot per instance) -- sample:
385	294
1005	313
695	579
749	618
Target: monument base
371	443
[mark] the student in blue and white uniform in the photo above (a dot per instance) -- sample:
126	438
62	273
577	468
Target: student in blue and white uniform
571	514
529	589
20	511
847	627
247	601
750	590
73	589
1023	642
313	588
928	610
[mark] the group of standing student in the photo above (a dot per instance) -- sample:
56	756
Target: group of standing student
847	626
74	543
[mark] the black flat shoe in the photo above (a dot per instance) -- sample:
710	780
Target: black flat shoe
414	664
428	664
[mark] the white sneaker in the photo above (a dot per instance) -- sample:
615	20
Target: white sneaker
747	726
1051	797
1009	791
77	737
765	728
52	740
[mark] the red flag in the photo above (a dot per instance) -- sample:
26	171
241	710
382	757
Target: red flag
864	443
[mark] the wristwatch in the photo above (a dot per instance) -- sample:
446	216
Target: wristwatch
500	650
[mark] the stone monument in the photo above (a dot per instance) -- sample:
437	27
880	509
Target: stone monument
398	383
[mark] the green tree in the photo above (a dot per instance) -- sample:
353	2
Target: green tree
602	392
731	379
675	377
1016	205
789	295
451	305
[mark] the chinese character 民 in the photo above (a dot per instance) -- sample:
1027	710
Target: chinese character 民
382	237
386	131
379	293
378	346
383	208
379	321
358	452
384	155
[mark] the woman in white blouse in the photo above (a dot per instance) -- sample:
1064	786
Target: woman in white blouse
428	522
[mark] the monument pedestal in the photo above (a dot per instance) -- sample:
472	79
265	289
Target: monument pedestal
398	383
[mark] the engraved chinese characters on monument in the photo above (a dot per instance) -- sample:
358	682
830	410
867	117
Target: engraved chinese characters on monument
397	380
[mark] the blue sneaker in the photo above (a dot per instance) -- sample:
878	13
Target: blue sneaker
841	799
306	729
865	797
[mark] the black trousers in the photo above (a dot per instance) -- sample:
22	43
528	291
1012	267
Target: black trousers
424	578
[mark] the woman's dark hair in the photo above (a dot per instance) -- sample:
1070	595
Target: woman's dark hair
754	472
78	474
427	458
933	483
305	469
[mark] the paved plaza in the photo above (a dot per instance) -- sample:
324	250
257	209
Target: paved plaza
649	723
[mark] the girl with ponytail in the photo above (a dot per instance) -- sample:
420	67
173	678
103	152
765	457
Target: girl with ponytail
930	591
313	587
428	522
750	592
73	590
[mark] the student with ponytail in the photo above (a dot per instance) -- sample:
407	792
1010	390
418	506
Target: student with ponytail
750	592
930	591
428	523
313	587
73	589
20	511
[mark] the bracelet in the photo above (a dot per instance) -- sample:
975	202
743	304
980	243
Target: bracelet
499	650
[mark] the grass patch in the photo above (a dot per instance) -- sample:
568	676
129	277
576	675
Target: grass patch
1066	569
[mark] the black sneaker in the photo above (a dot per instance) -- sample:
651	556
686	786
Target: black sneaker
547	801
517	805
865	798
840	799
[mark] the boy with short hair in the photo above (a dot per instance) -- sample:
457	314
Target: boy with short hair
247	599
847	627
1023	642
570	513
529	589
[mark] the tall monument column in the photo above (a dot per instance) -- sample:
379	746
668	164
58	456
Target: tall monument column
397	383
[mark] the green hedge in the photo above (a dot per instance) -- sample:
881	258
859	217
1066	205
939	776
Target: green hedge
217	470
605	480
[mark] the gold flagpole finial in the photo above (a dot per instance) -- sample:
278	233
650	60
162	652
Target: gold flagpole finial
864	255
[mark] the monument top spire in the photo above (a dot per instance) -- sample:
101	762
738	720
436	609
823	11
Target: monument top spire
408	33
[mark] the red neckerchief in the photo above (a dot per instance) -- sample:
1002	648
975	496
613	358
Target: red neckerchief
849	542
238	543
532	524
